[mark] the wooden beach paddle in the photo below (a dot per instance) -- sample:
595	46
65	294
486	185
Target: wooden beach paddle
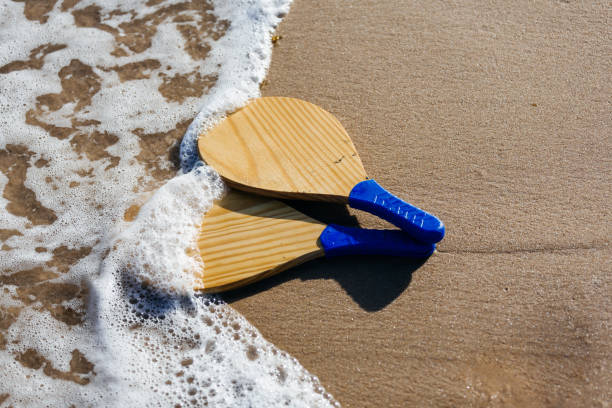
245	238
289	148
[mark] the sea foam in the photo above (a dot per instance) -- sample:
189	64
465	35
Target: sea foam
98	260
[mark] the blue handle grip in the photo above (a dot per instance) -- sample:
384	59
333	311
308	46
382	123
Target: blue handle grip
369	196
339	240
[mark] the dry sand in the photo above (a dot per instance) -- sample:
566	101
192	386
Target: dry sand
496	117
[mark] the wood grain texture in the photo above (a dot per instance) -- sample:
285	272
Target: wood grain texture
284	147
245	238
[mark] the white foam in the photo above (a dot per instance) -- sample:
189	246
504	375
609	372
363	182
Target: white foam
159	246
144	325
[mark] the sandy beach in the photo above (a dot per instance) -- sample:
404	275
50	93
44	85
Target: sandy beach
495	117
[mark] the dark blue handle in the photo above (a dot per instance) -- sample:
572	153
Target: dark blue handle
371	197
338	240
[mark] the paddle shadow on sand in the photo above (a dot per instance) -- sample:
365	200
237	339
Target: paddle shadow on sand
373	282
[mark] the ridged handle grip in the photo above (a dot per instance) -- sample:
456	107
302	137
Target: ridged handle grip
369	196
339	240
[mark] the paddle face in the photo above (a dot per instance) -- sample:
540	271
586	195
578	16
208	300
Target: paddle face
284	147
245	238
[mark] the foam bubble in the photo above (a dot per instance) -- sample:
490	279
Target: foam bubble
193	350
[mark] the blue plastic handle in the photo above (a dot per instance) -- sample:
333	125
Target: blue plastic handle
369	196
339	240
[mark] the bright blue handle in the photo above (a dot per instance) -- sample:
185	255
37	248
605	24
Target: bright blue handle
338	240
371	197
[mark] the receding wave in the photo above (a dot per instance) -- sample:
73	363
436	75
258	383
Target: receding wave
101	205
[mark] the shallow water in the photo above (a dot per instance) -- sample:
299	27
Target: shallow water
102	205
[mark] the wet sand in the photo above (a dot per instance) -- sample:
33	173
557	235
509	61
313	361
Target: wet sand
495	117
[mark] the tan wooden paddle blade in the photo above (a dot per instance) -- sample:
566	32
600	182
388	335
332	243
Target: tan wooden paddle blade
282	146
244	238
